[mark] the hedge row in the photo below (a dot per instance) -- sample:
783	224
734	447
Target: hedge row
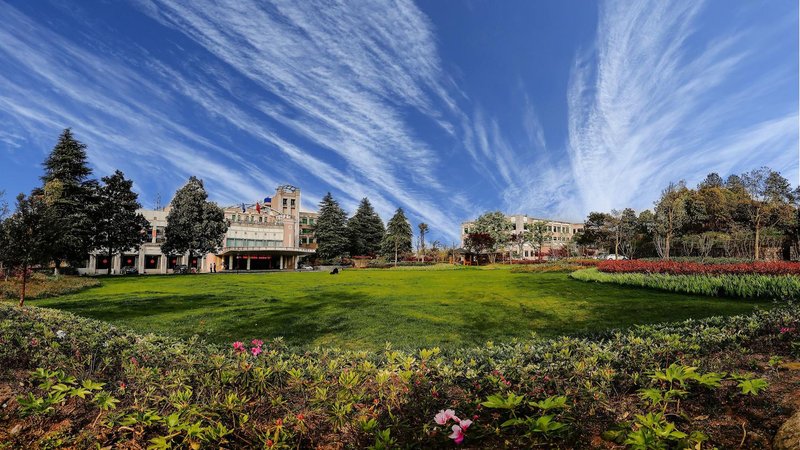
167	393
746	286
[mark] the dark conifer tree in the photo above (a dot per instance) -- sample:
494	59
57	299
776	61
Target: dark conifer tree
69	196
365	230
397	241
118	226
331	230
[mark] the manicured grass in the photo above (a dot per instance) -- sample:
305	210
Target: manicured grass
363	309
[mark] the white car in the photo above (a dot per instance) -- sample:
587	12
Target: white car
616	257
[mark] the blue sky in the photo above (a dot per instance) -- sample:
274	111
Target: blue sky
447	109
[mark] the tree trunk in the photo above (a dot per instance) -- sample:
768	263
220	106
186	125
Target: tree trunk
24	285
57	265
758	238
667	240
108	270
395	254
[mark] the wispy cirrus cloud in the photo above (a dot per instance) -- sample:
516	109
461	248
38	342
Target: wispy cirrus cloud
357	97
126	128
646	108
341	80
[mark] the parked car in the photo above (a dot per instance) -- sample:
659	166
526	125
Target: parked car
306	267
613	256
128	270
181	269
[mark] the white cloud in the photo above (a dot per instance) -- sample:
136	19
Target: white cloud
646	108
340	77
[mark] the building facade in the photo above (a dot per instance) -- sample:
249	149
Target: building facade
261	236
308	220
561	234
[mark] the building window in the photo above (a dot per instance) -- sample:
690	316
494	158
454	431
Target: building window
151	261
293	203
102	262
284	202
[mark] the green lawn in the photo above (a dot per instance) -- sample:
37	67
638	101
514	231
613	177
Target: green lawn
362	309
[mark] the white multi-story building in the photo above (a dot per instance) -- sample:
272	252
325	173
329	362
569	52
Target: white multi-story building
264	235
560	234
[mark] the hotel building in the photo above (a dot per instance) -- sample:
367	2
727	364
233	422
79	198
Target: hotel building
269	235
561	234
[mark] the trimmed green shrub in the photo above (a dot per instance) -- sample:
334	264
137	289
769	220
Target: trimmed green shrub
749	286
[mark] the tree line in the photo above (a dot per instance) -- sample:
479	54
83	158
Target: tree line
740	216
493	233
70	215
364	234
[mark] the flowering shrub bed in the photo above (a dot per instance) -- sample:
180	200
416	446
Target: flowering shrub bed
41	286
709	260
573	261
748	286
550	266
382	264
695	268
80	383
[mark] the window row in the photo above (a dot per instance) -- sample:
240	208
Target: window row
239	243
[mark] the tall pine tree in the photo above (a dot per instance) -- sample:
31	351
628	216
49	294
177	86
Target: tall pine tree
193	224
365	230
68	194
118	226
331	230
397	240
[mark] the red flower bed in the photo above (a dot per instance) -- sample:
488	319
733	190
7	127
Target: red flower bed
576	262
693	268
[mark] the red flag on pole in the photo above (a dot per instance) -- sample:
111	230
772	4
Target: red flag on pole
258	208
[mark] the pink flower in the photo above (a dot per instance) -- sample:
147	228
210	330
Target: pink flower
786	330
238	346
255	351
257	342
464	424
458	434
444	416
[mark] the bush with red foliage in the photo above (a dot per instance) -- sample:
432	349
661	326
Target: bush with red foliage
694	268
573	261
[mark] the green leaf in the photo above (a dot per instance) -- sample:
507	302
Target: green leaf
754	386
92	386
160	443
512	422
105	401
79	392
497	402
549	403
